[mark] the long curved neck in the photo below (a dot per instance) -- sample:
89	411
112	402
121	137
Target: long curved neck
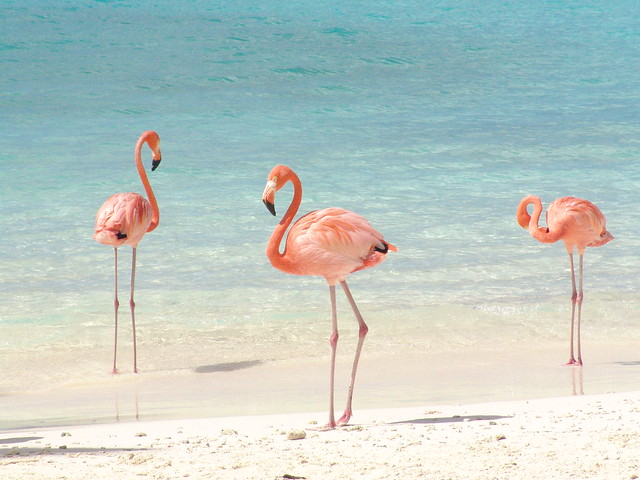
530	222
277	259
155	219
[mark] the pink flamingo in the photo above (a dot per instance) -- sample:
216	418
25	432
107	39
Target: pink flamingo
332	243
123	220
579	224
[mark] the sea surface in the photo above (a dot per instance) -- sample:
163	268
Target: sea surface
432	119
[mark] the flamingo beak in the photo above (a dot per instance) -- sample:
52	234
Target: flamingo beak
155	164
269	195
270	206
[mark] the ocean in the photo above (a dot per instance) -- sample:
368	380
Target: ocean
431	119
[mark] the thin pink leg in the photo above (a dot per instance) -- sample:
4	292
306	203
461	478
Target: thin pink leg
333	341
579	302
574	298
132	305
116	304
361	335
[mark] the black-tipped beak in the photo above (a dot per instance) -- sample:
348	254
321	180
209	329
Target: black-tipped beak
155	164
270	206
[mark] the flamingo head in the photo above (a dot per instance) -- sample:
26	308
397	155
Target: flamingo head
278	177
269	195
153	140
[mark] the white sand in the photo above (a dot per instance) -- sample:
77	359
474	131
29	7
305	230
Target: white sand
583	437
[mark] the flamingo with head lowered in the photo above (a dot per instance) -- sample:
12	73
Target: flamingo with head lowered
123	220
579	224
332	243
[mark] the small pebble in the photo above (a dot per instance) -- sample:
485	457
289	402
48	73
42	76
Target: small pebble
296	435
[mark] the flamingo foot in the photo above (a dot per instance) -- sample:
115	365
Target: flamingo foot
344	419
115	371
574	362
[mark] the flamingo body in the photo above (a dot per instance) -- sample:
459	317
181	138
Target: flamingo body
332	243
123	219
579	224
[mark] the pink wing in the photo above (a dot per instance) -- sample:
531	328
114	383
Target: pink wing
123	219
583	223
334	243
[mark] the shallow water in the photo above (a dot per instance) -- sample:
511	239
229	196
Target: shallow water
431	121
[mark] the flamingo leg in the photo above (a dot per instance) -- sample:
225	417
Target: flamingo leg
116	304
579	302
575	299
333	341
132	305
362	333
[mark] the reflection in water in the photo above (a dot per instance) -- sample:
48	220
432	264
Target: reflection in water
125	399
577	380
135	403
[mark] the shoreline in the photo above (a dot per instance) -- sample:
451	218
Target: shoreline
562	437
384	380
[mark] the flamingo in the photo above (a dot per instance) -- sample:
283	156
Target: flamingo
331	243
579	224
123	220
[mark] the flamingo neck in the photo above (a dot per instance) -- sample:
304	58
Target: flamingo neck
541	234
280	260
155	219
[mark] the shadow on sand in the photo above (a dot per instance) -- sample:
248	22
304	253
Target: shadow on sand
629	363
39	451
7	441
227	367
454	419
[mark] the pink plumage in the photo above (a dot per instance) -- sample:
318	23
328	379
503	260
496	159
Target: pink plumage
579	224
123	219
332	243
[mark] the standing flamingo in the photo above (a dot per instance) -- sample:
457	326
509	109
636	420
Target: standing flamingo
123	220
579	224
332	243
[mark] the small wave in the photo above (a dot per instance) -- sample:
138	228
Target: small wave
302	71
342	32
131	111
397	61
232	79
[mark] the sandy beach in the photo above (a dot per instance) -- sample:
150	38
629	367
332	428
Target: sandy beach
584	437
512	413
430	119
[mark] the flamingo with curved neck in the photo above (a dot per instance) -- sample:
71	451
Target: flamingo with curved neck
123	219
332	243
579	224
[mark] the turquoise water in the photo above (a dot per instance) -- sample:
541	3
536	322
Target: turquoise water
432	120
